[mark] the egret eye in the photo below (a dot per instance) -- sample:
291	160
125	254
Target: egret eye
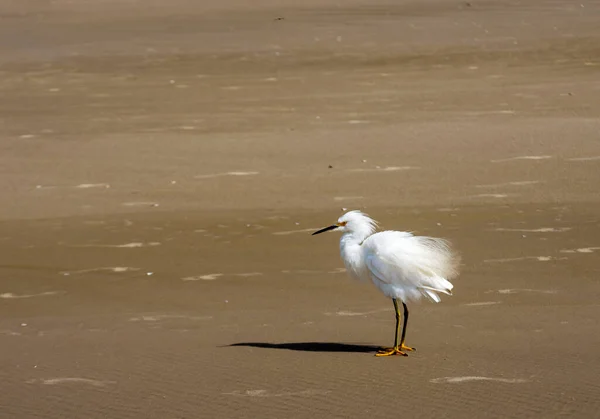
342	224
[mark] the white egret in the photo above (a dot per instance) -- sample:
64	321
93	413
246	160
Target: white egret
403	266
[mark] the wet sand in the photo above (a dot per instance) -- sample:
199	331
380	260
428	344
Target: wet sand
163	166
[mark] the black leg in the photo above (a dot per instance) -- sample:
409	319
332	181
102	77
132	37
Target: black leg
404	327
397	322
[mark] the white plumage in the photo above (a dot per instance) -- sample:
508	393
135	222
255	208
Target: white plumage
403	266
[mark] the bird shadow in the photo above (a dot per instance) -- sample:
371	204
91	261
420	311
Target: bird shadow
312	346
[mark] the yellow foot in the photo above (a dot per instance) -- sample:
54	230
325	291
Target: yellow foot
395	351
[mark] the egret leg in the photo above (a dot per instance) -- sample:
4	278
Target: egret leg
397	349
402	346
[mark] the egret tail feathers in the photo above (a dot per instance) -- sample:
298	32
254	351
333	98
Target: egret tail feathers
436	284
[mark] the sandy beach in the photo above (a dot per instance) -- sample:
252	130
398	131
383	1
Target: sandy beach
163	165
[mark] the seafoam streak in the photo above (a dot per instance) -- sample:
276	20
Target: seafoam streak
122	246
159	317
453	380
71	380
11	296
266	393
519	290
116	269
591	158
490	195
536	230
581	250
385	169
538	258
207	277
545	157
517	183
214	175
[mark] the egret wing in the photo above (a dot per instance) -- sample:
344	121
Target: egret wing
409	266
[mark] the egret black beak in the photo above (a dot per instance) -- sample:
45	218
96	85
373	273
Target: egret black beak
323	230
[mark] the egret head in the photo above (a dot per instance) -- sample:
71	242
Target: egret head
352	222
